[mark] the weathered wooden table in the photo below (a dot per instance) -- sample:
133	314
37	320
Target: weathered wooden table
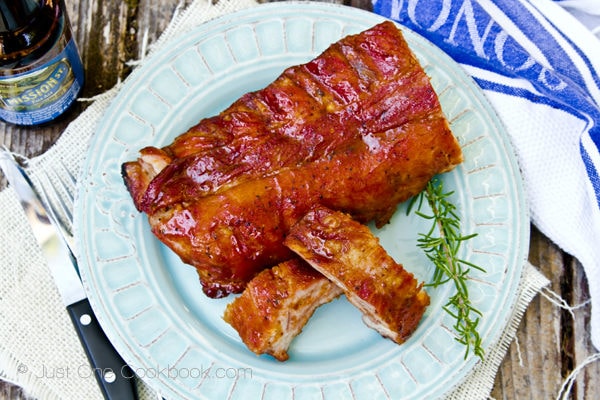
550	341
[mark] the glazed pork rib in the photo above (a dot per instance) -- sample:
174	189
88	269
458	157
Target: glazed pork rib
276	305
363	83
347	252
358	129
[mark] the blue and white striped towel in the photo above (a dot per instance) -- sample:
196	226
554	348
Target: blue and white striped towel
540	69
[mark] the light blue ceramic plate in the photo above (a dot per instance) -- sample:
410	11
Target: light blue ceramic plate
151	305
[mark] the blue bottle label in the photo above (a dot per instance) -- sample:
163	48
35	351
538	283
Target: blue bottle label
43	93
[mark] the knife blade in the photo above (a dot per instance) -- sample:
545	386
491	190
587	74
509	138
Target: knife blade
113	375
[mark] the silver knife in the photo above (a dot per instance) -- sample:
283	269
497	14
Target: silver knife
113	375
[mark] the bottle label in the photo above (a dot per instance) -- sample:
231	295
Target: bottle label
43	93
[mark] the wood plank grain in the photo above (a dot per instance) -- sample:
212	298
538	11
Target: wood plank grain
587	386
531	368
550	341
103	29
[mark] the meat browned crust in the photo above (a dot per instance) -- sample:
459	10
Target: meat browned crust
347	252
276	305
358	129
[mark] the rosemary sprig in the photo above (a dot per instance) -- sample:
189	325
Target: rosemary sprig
441	245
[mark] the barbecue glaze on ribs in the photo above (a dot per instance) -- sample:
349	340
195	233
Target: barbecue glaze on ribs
276	305
358	129
390	298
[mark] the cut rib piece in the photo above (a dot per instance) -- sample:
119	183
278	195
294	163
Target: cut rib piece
347	252
358	129
276	305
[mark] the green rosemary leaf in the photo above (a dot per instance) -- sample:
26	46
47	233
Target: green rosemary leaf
441	244
470	264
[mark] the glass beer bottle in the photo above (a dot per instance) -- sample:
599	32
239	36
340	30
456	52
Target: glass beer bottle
41	73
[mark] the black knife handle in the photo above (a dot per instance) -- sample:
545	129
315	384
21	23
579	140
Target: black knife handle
112	373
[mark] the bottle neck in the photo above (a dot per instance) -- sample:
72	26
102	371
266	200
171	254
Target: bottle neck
39	25
15	14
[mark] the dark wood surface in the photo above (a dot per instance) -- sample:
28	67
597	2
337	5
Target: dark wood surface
550	341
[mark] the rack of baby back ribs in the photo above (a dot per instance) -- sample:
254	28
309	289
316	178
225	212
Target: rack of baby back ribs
270	197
